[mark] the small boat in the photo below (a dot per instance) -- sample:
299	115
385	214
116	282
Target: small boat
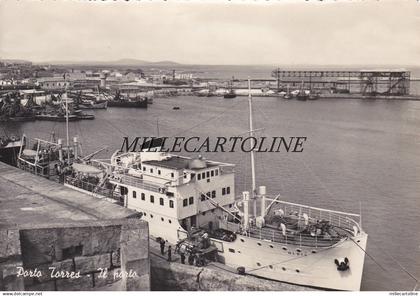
56	117
230	95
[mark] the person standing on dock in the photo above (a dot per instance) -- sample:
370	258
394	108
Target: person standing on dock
169	253
162	246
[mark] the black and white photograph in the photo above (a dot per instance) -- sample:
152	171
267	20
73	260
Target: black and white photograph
209	146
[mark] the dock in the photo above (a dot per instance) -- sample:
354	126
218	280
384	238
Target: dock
45	225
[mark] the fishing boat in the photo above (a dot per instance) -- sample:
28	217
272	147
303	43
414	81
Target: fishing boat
283	241
121	100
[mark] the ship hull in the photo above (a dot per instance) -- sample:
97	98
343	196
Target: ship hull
129	104
298	265
302	266
10	153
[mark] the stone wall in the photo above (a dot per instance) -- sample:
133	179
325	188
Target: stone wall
94	255
179	277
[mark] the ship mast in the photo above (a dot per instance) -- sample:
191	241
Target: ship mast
251	134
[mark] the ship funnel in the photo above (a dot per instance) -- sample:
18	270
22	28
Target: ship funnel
245	199
197	163
75	142
262	191
60	149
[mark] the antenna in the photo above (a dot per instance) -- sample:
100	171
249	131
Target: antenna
251	134
157	126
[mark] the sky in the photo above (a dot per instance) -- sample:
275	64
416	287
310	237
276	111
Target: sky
219	32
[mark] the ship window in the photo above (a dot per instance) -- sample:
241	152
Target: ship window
151	216
134	194
284	268
213	194
284	248
258	264
242	240
298	250
151	170
212	173
203	197
158	172
152	199
271	246
162	219
223	191
191	200
216	172
161	202
199	177
145	214
172	175
169	221
143	196
185	202
231	250
227	190
313	252
208	174
171	203
170	194
144	168
271	266
297	270
203	175
259	244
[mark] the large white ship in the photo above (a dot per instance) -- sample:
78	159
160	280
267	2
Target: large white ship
269	238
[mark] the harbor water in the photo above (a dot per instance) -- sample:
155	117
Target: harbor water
358	152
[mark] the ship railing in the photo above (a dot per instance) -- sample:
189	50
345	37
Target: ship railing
276	236
343	220
94	188
139	183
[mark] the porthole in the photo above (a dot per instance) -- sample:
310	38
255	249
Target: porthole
271	246
298	250
284	248
358	241
259	244
313	252
231	250
162	219
271	266
151	216
169	221
297	270
145	214
258	264
242	240
239	252
284	268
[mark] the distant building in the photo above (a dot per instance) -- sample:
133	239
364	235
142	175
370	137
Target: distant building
53	83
